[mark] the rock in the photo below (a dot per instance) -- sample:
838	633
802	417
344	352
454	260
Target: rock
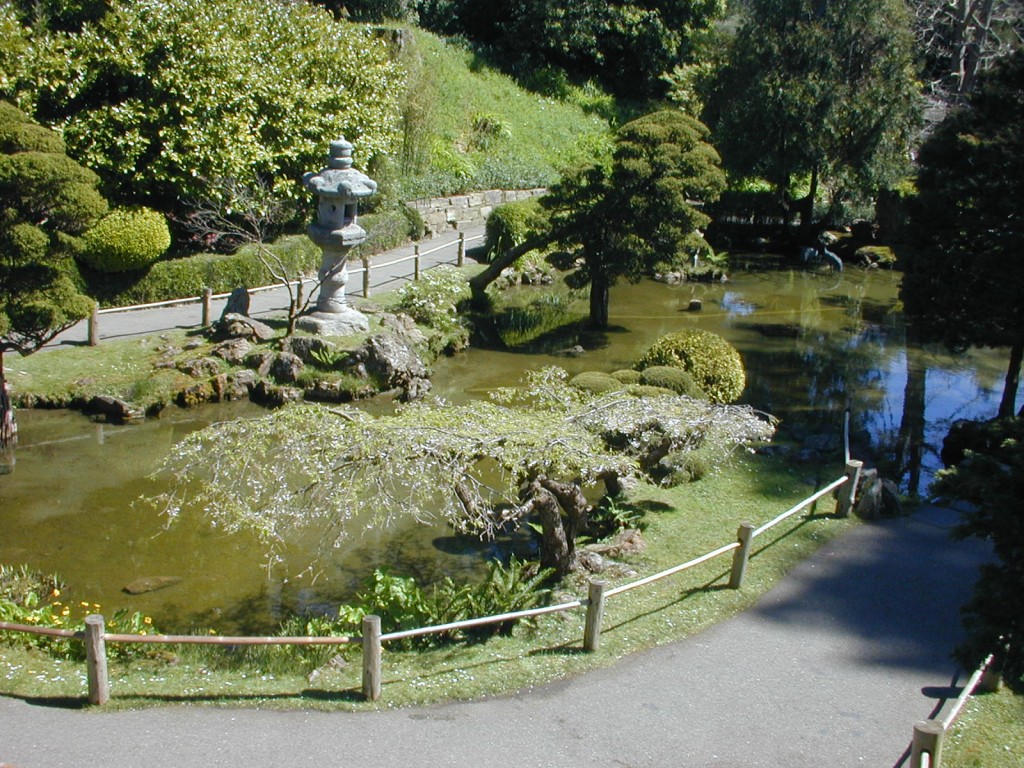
260	361
194	344
274	397
403	325
114	408
235	326
286	368
393	361
150	584
196	395
309	348
199	367
233	351
238	303
590	561
694	306
876	498
346	322
233	386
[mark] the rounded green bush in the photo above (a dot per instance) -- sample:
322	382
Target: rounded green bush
126	240
596	382
627	376
675	379
646	390
513	223
714	364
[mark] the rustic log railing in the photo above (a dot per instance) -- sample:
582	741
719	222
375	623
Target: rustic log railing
95	637
366	270
927	742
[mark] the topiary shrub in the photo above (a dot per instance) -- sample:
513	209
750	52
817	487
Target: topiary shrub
627	376
646	390
126	240
714	363
675	379
596	382
513	223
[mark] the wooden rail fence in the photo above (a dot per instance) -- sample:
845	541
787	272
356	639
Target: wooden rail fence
366	270
95	636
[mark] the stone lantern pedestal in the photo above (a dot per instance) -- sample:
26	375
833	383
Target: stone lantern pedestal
339	187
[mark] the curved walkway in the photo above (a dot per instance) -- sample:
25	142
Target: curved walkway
832	667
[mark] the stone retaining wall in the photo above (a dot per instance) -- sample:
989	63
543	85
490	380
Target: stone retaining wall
441	214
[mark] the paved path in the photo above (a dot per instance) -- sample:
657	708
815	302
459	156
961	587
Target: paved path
832	667
124	325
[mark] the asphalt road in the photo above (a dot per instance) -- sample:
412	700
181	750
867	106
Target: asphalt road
832	667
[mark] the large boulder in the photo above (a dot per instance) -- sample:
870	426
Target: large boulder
395	363
235	326
876	497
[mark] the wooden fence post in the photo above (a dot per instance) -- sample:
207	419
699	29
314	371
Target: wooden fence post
96	659
416	262
366	277
371	658
595	615
207	306
991	679
740	557
848	494
462	249
926	747
94	326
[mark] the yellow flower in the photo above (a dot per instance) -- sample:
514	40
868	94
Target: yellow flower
56	592
148	620
84	604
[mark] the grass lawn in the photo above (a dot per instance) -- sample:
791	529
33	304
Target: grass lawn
988	734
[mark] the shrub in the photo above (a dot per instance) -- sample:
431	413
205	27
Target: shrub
125	240
596	382
674	379
434	299
646	390
714	363
181	278
626	376
514	223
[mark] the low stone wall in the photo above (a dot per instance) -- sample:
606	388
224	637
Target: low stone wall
441	214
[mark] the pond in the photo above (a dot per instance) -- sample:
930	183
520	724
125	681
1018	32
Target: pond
813	345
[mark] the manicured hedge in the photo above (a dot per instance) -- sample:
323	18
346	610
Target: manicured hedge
714	364
126	239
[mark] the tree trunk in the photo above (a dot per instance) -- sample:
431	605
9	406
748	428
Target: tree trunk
478	284
1008	403
599	295
574	505
555	551
910	443
8	427
807	208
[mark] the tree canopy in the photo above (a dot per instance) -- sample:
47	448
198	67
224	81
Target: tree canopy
163	99
47	201
990	476
818	91
626	44
965	275
641	211
480	467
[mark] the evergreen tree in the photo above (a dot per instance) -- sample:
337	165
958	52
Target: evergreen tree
965	276
48	199
818	90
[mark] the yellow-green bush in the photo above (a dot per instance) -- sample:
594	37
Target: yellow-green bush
714	364
672	378
126	239
596	382
514	223
627	376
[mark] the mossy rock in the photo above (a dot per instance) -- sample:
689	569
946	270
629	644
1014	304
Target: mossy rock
626	376
714	364
880	255
596	382
675	379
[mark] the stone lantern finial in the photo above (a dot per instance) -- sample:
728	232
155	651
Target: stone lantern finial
339	187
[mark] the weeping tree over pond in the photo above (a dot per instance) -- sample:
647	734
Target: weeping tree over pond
483	467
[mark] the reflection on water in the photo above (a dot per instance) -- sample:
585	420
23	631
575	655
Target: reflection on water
812	346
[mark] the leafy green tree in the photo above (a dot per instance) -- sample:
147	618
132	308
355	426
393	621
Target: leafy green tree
628	217
626	44
162	99
965	276
48	200
991	477
481	467
642	209
820	90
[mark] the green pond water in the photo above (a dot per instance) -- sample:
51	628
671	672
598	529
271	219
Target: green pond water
813	345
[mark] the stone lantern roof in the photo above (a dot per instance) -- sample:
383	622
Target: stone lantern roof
339	179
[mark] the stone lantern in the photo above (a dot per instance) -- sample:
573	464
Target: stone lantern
339	187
